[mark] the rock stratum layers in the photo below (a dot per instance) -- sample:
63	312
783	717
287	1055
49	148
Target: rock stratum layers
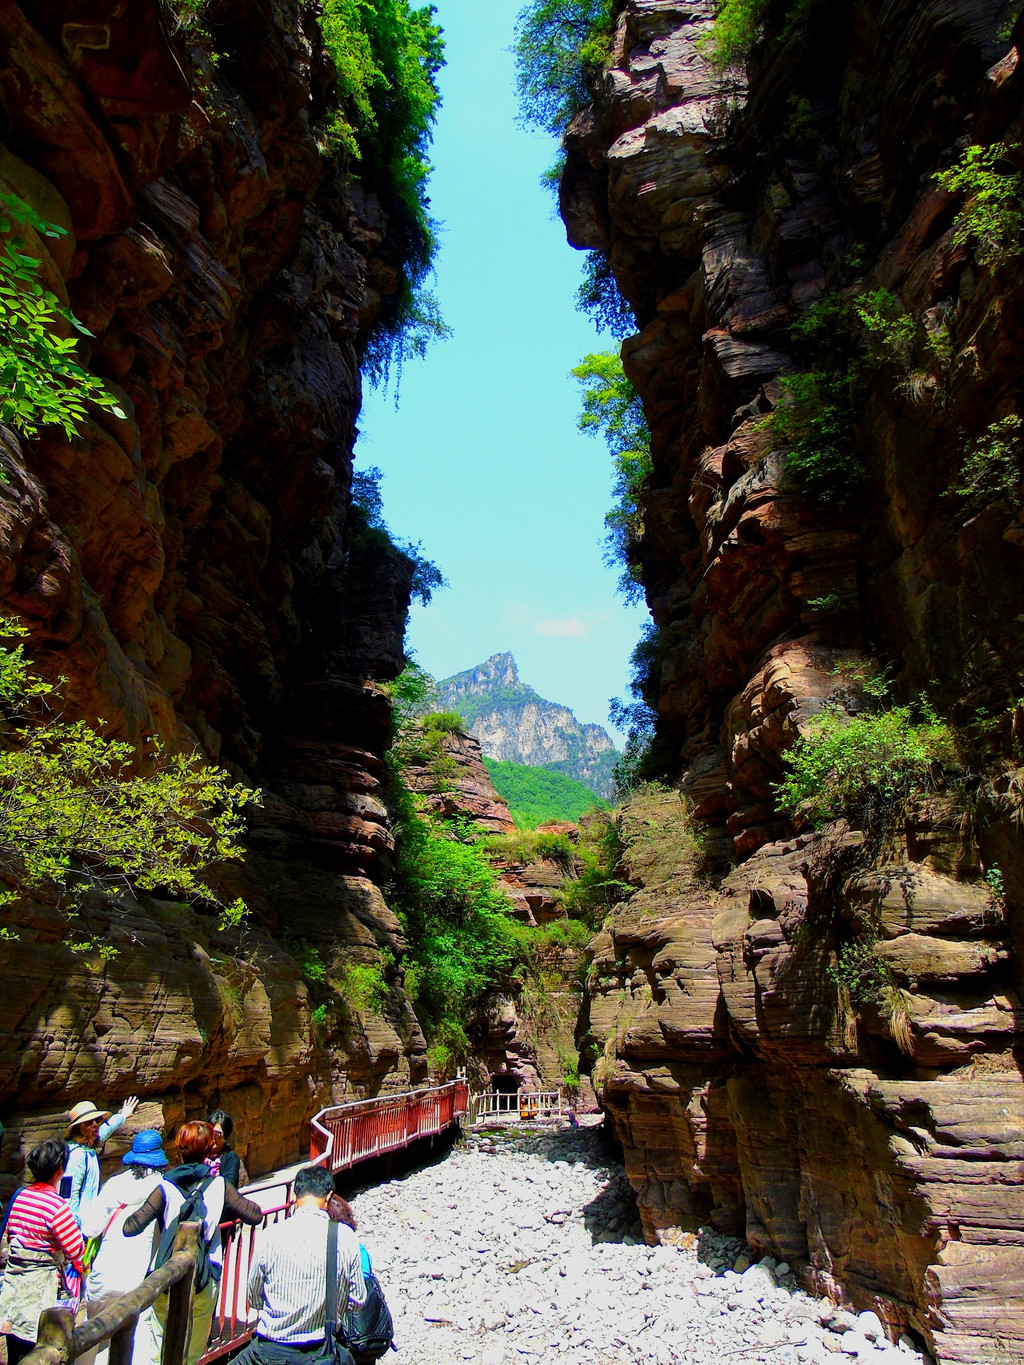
190	570
881	1156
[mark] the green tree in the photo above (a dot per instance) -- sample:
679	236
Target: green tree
388	55
41	381
612	409
81	811
560	48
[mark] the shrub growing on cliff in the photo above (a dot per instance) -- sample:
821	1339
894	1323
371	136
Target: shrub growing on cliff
41	382
992	217
865	766
80	811
444	722
612	409
599	297
814	425
739	24
993	470
463	941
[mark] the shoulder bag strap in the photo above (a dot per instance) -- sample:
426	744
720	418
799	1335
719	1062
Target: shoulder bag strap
7	1211
331	1304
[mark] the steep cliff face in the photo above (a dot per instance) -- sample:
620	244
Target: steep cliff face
188	570
877	1150
512	722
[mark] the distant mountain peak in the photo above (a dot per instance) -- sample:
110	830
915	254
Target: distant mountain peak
514	723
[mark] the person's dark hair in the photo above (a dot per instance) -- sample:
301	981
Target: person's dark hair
314	1180
340	1211
140	1172
227	1126
47	1158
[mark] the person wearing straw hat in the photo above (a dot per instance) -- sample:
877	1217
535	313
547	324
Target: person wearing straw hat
88	1128
114	1263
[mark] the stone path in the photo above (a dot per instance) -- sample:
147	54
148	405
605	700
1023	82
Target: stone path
526	1245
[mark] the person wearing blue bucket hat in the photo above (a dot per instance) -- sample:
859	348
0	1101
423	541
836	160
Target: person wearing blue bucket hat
147	1149
117	1265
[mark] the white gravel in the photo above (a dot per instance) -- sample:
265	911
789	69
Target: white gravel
523	1245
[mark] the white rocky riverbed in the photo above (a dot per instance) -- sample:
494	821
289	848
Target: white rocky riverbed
526	1245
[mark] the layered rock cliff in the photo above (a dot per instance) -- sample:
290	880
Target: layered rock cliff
189	570
878	1150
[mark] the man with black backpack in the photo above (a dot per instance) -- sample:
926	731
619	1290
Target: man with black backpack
305	1273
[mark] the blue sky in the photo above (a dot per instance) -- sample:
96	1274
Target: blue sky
482	460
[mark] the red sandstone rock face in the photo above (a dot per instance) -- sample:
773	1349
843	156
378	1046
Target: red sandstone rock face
187	570
870	1150
454	782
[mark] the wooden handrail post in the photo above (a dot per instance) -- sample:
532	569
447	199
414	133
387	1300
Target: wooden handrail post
122	1344
178	1328
53	1344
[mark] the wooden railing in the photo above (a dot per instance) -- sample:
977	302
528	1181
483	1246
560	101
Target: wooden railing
60	1341
346	1134
524	1104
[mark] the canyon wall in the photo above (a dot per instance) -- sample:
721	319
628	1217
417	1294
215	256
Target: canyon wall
879	1151
192	571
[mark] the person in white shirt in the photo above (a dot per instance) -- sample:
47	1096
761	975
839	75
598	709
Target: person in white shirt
288	1277
119	1264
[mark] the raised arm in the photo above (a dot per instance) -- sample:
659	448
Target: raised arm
114	1122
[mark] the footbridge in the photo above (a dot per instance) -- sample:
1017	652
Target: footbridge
340	1138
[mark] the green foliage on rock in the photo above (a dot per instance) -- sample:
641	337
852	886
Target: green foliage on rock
597	886
991	219
612	408
444	722
537	796
598	296
369	530
463	942
639	762
864	766
993	470
79	811
842	342
814	425
560	48
740	24
41	381
387	54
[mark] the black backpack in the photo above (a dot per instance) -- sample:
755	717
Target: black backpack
368	1332
193	1210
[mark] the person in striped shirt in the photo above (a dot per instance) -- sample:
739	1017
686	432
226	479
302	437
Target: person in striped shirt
43	1236
288	1278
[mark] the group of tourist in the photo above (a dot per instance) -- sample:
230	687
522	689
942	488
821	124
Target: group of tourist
68	1239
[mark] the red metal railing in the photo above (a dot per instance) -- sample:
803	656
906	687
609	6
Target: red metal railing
349	1133
340	1137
